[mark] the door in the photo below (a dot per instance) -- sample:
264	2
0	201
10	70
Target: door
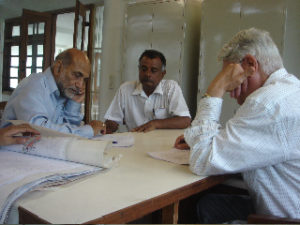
83	39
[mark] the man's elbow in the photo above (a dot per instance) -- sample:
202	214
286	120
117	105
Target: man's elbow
186	122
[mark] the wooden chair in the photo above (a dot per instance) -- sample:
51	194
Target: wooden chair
266	219
2	106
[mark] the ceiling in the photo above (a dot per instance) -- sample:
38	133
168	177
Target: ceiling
13	8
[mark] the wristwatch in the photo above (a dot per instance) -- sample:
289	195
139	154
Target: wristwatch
206	96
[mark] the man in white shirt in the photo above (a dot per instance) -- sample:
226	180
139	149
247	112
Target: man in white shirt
150	103
261	140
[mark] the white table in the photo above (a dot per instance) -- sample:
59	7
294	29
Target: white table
137	186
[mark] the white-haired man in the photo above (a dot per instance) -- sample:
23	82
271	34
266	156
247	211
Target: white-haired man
261	140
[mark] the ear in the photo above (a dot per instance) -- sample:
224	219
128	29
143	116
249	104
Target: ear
250	64
164	73
57	68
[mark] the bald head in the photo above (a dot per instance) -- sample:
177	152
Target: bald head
72	55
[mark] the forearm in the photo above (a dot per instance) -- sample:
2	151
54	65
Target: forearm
176	122
84	131
200	135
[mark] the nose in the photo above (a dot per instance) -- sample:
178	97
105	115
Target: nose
148	73
80	83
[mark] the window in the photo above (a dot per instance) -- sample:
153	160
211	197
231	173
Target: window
24	49
11	54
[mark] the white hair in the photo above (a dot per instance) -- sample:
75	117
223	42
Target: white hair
254	42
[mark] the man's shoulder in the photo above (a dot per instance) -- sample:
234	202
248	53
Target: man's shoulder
169	82
277	91
33	81
170	86
129	86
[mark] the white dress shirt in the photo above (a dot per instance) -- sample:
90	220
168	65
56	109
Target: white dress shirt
132	105
262	141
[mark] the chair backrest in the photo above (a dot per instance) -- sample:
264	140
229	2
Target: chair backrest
2	106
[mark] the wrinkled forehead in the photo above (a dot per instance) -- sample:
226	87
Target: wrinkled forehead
151	62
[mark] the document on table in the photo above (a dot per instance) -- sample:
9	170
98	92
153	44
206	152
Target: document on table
55	159
70	147
117	140
22	173
173	155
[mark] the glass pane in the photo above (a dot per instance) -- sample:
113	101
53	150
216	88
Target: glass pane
14	50
39	70
79	32
39	61
14	61
30	29
28	71
15	31
41	28
63	39
13	83
98	27
29	62
13	72
29	50
87	16
40	49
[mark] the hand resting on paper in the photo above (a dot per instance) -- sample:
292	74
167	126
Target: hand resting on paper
18	134
181	144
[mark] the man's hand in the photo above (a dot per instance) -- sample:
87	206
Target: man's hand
181	144
230	78
17	134
151	125
111	126
98	126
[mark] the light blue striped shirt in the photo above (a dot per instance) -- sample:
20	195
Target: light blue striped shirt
37	100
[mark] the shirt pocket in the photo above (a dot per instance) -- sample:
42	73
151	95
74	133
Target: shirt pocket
160	113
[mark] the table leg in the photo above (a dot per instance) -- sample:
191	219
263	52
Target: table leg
170	213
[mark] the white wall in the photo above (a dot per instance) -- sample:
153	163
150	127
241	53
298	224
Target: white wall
110	80
222	19
1	54
291	50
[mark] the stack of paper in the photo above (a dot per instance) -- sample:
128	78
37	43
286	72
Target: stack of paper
56	159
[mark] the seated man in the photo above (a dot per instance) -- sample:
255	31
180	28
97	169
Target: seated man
150	103
261	140
53	98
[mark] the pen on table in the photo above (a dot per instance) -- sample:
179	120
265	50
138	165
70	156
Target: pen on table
114	142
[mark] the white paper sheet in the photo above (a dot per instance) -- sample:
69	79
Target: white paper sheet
22	173
117	140
173	155
85	151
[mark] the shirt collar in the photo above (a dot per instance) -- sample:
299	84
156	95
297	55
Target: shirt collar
139	89
51	82
276	75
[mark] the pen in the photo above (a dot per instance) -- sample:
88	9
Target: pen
114	142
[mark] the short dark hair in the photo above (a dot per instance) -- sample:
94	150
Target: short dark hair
151	53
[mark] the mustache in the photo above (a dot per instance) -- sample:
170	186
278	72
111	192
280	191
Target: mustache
146	80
